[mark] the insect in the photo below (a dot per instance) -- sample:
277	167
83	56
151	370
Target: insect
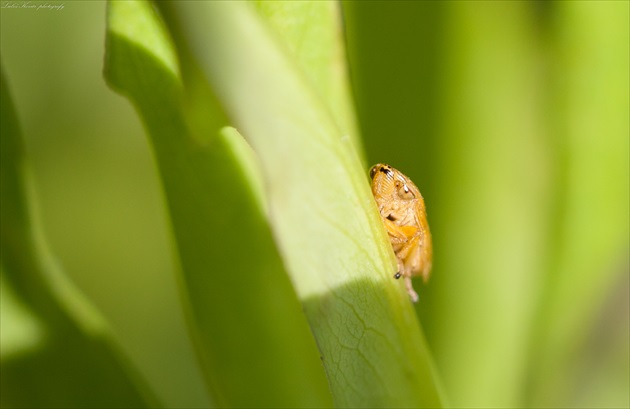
404	215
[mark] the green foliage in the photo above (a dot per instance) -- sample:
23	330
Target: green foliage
74	363
231	275
219	226
512	120
246	266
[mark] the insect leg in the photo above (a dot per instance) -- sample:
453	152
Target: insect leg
412	294
401	269
399	234
406	253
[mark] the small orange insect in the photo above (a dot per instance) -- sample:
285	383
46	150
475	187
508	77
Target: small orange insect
405	218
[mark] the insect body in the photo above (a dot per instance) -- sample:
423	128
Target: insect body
405	218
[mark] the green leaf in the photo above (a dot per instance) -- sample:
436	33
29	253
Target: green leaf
491	204
253	342
479	160
587	282
321	210
313	34
75	363
512	118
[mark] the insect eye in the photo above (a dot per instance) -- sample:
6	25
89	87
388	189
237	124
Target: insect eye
403	191
373	171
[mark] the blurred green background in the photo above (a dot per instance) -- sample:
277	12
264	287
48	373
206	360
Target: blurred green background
512	119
